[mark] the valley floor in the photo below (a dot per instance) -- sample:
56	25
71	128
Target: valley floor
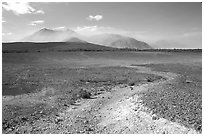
119	111
119	98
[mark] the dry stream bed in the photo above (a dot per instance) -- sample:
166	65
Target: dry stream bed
117	108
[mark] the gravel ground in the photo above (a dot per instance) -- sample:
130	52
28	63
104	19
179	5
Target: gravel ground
120	110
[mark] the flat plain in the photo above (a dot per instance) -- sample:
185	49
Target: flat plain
69	92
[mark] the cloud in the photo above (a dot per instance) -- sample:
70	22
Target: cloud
3	21
189	34
39	12
189	39
99	30
34	23
96	17
5	34
94	30
60	28
19	8
86	28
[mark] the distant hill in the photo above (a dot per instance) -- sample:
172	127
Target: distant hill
74	39
49	35
18	47
164	44
118	41
68	35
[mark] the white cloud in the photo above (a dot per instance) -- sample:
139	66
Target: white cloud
3	21
189	34
5	34
34	23
20	8
39	12
96	17
86	28
60	28
92	30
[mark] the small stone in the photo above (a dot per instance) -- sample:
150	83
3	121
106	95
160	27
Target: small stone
57	120
24	118
74	107
89	129
86	121
125	85
154	117
131	84
189	81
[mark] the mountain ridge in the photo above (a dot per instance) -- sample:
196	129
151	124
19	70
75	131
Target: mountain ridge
68	35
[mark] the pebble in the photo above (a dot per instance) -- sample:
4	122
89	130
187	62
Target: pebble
189	81
86	121
154	117
65	104
58	119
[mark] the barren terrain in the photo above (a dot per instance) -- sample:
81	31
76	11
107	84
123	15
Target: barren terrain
102	92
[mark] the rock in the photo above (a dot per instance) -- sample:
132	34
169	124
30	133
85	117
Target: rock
150	80
74	107
58	119
24	118
131	84
125	85
89	129
102	89
189	81
65	104
98	93
86	121
154	117
135	109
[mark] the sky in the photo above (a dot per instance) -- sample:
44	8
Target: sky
149	22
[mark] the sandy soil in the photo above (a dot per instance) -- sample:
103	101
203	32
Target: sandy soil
118	111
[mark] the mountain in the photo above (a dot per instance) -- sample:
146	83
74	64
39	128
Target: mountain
110	40
118	41
49	35
165	44
21	47
74	39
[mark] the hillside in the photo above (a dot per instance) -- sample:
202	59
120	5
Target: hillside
166	44
74	39
68	35
51	46
49	35
118	41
